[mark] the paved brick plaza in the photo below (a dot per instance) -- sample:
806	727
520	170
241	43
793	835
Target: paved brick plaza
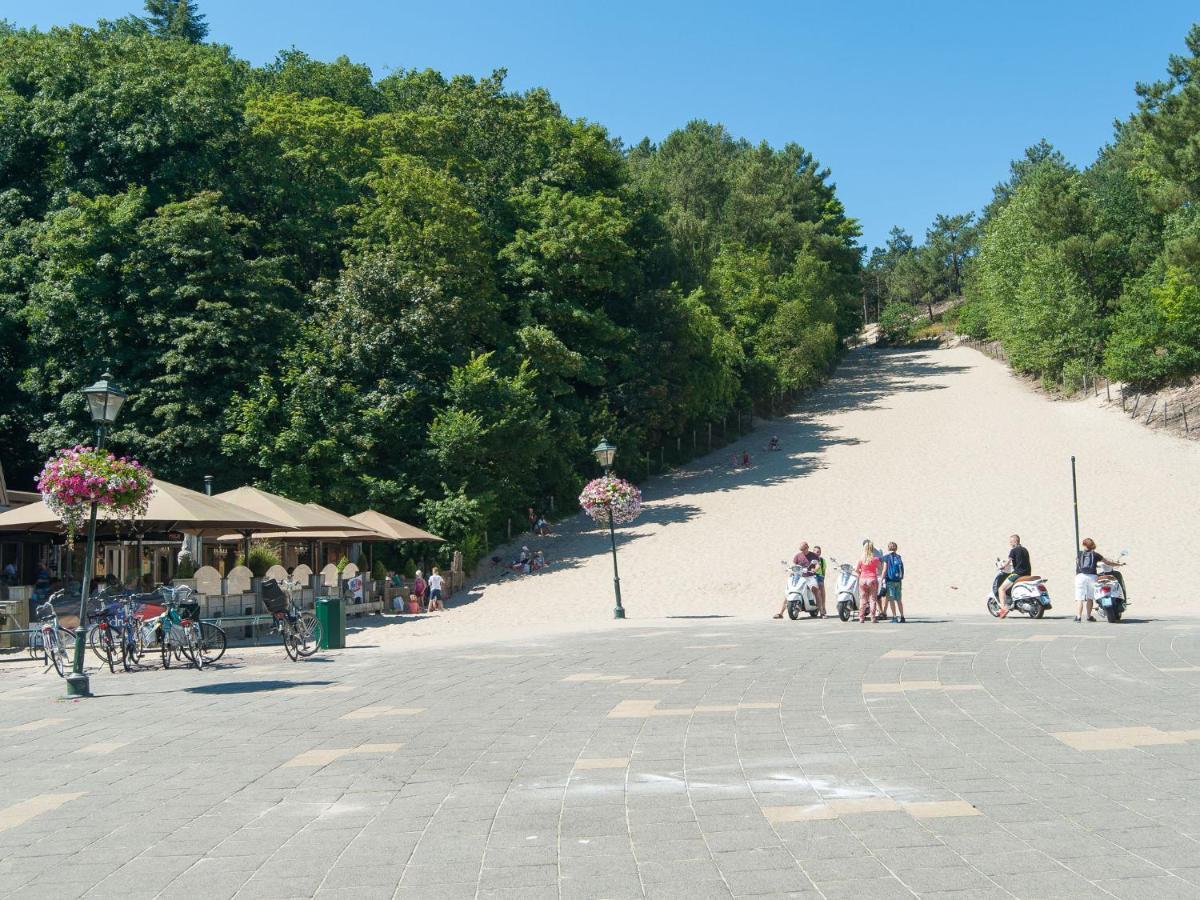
965	759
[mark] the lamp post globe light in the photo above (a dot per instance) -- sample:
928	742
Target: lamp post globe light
604	453
105	400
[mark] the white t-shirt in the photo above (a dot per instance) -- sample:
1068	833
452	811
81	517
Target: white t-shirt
435	582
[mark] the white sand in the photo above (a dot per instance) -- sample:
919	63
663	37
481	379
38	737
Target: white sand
942	451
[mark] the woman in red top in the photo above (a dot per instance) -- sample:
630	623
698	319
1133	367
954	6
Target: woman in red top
869	569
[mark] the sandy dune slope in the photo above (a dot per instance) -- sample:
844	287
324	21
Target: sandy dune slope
942	451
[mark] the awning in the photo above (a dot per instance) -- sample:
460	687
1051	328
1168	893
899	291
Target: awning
172	508
393	528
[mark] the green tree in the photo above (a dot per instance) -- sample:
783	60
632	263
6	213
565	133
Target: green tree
176	19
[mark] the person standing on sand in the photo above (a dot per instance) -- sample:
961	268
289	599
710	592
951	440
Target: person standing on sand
869	569
893	573
435	591
418	588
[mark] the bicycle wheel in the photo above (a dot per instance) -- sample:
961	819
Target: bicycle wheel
306	634
108	651
213	639
93	642
168	649
128	647
194	648
58	653
37	647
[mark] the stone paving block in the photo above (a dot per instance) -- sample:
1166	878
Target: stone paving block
362	892
700	890
1051	883
674	850
19	813
943	878
864	889
620	762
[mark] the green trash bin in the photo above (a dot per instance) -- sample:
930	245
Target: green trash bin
332	616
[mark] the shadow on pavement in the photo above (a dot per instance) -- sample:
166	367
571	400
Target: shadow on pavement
251	687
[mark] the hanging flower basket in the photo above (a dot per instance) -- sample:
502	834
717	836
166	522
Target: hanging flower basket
611	496
74	479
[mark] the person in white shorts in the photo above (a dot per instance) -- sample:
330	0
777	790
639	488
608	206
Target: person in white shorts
435	591
1086	561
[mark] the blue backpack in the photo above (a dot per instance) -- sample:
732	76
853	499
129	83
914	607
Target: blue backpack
895	567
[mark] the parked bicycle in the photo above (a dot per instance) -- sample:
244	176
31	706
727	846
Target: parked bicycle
52	639
179	632
114	633
300	630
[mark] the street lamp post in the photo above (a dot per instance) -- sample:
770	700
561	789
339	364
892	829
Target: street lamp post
604	453
105	400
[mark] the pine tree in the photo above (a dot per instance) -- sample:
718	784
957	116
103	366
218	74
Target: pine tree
176	19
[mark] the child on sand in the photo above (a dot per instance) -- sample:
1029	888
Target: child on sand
893	573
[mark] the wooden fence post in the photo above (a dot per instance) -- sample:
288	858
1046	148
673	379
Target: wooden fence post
1137	400
1107	392
1185	422
510	528
1164	412
1150	414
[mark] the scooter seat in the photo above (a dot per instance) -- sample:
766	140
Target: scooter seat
1106	577
1025	578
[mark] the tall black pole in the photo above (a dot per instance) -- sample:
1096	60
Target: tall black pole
1075	497
619	611
77	682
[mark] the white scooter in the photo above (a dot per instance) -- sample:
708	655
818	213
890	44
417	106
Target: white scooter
847	590
801	591
1029	594
1110	591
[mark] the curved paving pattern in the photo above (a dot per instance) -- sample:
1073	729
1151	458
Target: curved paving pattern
981	759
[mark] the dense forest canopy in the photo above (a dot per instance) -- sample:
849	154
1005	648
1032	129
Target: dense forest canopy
425	294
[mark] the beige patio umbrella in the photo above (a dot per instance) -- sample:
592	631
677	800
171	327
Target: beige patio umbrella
303	520
171	508
394	528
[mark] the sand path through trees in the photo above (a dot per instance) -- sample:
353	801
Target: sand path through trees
941	450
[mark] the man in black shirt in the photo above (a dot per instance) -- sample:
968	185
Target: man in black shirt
1018	560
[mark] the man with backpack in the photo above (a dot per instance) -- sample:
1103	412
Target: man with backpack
893	573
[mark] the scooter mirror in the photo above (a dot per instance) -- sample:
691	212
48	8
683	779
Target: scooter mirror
1124	552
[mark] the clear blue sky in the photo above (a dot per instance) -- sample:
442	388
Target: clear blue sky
917	107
